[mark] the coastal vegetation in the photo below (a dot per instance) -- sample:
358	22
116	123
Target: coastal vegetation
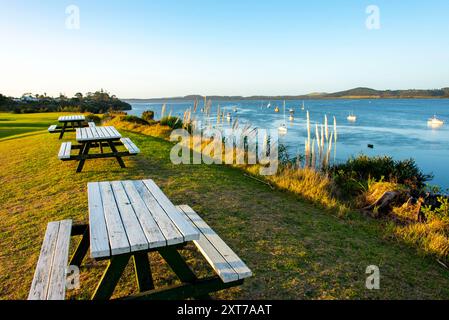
296	247
96	102
394	191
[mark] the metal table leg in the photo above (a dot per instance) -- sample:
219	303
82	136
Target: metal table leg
143	272
114	150
110	278
64	126
83	152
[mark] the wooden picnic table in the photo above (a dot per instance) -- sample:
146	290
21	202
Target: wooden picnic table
69	124
91	137
127	220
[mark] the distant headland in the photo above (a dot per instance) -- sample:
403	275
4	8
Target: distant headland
356	93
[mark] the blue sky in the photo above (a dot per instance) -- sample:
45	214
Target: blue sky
157	48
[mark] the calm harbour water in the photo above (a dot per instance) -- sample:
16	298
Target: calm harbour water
397	128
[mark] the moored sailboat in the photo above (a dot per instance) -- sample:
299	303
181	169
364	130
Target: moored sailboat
283	128
435	122
352	118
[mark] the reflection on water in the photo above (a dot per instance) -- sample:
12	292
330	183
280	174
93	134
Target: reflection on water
398	128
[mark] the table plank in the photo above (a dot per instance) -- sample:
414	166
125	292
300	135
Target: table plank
99	132
170	232
118	240
115	132
228	254
57	285
39	287
187	230
134	232
99	239
214	257
151	229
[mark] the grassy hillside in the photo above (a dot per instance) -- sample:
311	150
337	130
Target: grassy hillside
295	250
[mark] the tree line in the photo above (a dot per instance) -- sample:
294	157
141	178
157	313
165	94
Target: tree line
94	102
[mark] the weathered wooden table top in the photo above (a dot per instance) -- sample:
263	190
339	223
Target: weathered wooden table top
73	118
97	134
132	216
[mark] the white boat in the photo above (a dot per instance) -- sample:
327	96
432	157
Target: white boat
435	122
269	105
228	116
302	108
291	110
283	128
352	118
235	109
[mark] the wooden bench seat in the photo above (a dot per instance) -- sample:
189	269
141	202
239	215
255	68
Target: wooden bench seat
49	282
64	151
220	256
91	124
130	146
52	128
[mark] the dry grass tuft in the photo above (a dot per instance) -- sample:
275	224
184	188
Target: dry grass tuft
431	237
311	185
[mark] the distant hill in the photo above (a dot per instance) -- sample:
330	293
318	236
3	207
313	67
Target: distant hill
390	94
356	93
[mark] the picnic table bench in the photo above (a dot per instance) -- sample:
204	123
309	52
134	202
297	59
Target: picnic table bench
127	220
92	137
69	124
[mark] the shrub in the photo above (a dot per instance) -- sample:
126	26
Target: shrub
172	122
358	170
134	119
441	212
93	118
148	115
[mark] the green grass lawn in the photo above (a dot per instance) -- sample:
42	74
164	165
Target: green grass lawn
13	125
295	250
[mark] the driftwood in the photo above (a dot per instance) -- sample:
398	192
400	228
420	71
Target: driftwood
412	201
383	204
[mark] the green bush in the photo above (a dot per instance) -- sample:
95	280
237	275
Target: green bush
172	122
134	119
441	212
93	118
148	115
356	171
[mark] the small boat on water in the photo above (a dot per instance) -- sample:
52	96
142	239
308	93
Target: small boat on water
283	128
292	111
269	105
302	108
228	117
276	109
235	109
291	118
435	122
352	118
